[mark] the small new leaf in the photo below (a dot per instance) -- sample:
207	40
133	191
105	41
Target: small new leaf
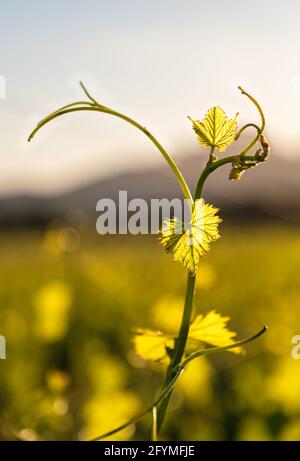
152	344
215	130
210	329
189	241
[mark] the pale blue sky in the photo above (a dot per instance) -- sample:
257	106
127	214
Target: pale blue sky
157	60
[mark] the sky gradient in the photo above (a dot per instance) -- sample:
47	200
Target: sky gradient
158	61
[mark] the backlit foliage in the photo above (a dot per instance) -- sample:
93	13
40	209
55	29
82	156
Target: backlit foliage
189	241
215	130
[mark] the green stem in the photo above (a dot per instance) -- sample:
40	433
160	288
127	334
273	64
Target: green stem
98	108
185	323
212	158
212	166
179	348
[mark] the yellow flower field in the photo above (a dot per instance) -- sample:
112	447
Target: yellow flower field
67	312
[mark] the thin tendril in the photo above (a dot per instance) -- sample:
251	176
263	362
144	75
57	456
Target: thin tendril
95	106
89	96
249	125
255	102
263	122
213	350
60	113
67	106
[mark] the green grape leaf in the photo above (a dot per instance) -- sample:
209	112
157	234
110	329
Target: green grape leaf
188	242
210	329
151	344
215	130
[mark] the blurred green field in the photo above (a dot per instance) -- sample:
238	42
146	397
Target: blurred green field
67	307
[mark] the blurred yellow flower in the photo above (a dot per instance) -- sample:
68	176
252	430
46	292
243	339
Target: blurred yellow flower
61	240
167	313
252	429
57	381
197	381
52	305
104	412
283	384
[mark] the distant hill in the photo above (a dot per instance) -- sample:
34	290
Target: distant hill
272	189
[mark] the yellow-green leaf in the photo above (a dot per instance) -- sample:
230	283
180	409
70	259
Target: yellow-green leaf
188	242
212	329
215	130
151	344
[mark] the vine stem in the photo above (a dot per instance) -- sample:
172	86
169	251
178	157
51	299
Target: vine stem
159	408
180	343
95	107
177	358
181	340
179	348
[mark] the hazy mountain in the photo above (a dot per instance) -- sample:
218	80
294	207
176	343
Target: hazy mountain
272	189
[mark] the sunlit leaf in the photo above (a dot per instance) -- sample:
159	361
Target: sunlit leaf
188	242
151	344
215	130
212	329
